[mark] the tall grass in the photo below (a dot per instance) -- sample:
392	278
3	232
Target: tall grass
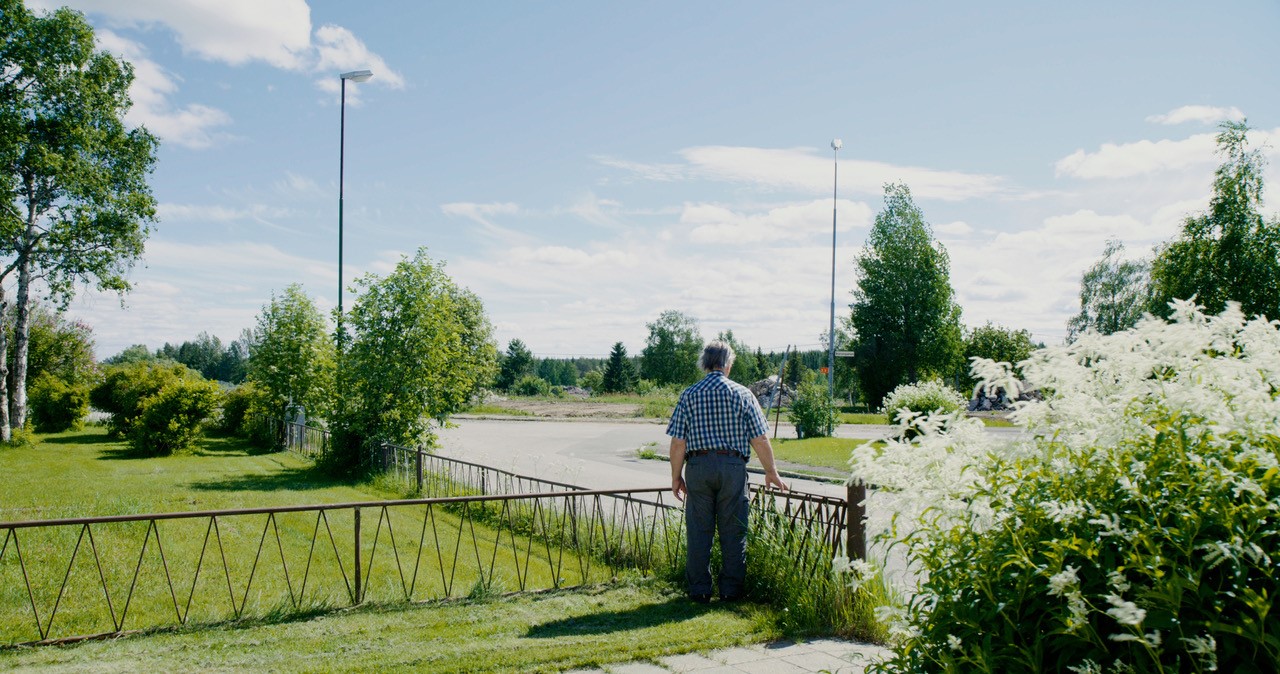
789	566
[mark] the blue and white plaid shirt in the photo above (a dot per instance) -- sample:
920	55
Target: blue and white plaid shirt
717	413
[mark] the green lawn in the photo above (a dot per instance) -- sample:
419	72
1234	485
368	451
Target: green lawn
824	452
477	628
530	633
443	552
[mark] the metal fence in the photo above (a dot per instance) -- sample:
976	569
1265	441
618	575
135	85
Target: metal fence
475	530
79	578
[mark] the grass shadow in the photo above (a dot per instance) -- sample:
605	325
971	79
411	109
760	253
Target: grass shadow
86	437
229	445
650	615
285	479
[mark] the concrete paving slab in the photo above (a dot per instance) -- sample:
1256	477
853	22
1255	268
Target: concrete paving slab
690	662
771	666
637	668
817	661
740	654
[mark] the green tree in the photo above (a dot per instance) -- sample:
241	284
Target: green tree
592	380
59	347
1001	344
1114	293
513	365
794	371
293	361
905	319
204	355
137	353
671	352
1229	252
421	348
619	372
77	206
124	388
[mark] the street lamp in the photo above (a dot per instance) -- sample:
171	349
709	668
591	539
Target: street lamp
354	76
831	330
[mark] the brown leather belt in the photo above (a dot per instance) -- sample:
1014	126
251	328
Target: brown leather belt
723	452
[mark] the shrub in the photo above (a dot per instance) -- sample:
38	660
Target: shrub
237	403
530	385
814	412
57	406
124	387
170	420
923	398
592	381
1131	529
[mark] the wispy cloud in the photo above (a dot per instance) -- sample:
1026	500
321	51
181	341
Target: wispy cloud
1203	114
810	170
236	32
724	226
194	126
1146	157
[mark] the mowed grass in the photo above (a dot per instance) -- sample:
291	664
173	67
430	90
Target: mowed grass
275	565
823	452
547	632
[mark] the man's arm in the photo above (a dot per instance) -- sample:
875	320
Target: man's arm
677	468
764	450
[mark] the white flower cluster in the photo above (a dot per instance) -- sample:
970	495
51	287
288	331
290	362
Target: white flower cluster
1217	375
1220	371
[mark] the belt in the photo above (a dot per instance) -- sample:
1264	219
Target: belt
723	452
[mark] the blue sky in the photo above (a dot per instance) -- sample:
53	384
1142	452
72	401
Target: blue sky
584	166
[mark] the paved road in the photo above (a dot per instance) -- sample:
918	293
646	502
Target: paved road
593	454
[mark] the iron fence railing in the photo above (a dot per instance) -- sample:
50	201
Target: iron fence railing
79	578
475	529
841	522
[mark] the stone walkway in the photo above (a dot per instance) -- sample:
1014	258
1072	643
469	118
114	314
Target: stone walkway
785	657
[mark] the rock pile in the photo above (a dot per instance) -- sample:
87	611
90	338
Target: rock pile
997	400
766	391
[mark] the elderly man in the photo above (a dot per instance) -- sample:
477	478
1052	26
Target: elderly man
714	427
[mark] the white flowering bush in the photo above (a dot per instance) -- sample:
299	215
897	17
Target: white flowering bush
908	401
1134	528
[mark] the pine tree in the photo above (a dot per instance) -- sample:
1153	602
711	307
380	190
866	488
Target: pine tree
619	373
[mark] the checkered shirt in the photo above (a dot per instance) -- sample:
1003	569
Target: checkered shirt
717	413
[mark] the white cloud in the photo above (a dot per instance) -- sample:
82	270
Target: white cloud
483	214
1204	114
809	170
185	289
597	211
194	126
170	212
721	225
1146	157
1140	158
339	50
236	32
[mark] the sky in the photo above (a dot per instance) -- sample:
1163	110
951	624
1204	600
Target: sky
584	166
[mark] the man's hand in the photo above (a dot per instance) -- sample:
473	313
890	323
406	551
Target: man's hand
676	454
772	478
764	452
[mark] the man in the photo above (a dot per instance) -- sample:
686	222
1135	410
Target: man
714	427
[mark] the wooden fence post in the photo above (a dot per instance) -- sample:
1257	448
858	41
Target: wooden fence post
418	468
856	524
357	550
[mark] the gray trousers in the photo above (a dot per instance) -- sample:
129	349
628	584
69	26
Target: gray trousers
717	498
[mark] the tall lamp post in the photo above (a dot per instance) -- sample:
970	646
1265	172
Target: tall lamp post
831	330
354	76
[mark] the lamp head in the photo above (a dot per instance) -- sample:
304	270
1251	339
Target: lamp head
357	75
837	144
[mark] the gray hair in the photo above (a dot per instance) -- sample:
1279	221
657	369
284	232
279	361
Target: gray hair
716	355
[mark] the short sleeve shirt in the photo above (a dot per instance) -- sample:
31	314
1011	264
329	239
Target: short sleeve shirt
717	413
